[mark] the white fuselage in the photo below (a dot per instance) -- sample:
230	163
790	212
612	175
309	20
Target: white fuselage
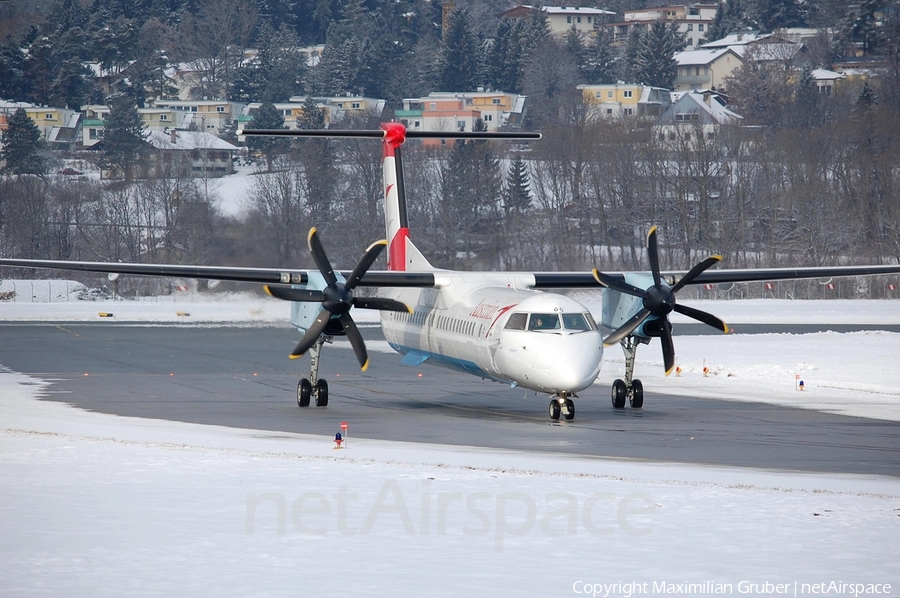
492	326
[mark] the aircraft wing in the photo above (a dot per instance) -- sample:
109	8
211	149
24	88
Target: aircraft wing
387	278
238	274
572	280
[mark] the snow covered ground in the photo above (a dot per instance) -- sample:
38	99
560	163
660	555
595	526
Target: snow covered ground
101	505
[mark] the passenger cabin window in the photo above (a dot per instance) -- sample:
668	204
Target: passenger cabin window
543	322
516	322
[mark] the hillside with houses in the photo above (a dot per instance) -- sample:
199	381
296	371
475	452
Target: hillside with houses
764	131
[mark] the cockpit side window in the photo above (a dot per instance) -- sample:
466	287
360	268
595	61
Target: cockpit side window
516	322
579	322
543	322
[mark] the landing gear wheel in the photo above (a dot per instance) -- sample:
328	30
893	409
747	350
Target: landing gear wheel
555	409
619	390
304	391
570	409
321	393
636	400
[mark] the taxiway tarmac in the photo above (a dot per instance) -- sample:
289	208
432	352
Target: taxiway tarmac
241	377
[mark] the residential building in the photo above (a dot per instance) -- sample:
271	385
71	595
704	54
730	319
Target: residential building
191	153
210	116
93	124
60	127
335	108
694	115
623	100
160	119
693	21
7	109
705	69
766	47
155	119
827	80
458	111
562	19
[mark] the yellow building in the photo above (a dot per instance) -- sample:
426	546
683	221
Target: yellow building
159	119
620	100
209	116
705	69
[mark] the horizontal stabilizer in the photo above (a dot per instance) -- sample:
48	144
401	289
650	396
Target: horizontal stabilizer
381	134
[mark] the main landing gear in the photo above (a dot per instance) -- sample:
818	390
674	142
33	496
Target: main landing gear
629	388
561	404
314	387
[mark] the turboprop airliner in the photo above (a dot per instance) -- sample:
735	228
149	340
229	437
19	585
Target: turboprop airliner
509	327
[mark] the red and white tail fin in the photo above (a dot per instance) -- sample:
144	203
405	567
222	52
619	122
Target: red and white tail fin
402	253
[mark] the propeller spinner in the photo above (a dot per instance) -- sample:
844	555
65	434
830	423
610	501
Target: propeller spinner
337	299
659	301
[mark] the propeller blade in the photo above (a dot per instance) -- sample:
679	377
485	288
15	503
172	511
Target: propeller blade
318	253
372	253
289	294
668	347
653	255
382	304
356	340
626	328
312	335
695	271
617	284
702	316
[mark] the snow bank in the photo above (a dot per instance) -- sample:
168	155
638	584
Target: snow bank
102	505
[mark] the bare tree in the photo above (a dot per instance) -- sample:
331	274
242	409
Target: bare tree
215	41
277	199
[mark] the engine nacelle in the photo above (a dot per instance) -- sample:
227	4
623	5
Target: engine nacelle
303	313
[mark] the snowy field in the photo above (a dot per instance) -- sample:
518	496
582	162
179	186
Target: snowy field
100	505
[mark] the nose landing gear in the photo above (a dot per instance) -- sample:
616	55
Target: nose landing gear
562	405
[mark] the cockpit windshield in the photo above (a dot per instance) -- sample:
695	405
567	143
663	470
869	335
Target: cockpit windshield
579	322
543	322
551	321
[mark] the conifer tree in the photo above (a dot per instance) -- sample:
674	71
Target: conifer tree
460	50
518	186
21	145
729	18
123	144
599	60
769	15
861	29
313	117
267	117
655	60
504	67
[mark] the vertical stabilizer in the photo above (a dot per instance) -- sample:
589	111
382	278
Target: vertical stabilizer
402	254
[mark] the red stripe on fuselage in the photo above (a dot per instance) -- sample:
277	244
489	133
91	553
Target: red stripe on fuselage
397	250
500	313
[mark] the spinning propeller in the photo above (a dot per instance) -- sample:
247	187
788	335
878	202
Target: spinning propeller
337	299
659	301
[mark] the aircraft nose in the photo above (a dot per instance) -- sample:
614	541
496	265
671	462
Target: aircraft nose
573	366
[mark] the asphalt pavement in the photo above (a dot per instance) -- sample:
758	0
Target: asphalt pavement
242	378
